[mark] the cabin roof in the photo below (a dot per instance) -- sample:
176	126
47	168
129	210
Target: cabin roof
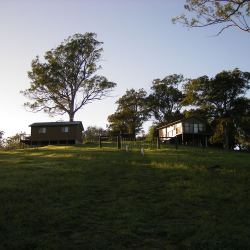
42	124
181	120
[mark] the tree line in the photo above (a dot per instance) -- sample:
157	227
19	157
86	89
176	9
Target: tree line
221	101
11	142
67	78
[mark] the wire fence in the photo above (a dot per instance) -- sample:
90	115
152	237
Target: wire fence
130	144
118	142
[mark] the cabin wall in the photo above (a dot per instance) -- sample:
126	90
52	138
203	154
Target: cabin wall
55	133
78	134
162	132
190	131
174	130
193	126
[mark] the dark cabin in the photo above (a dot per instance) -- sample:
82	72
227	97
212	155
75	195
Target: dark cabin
45	133
188	131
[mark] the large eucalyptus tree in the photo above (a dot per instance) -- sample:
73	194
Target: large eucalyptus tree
67	78
223	13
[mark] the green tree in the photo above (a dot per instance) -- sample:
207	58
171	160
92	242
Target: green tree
152	133
223	99
119	123
13	142
66	80
1	139
131	112
201	113
92	133
165	99
241	114
225	13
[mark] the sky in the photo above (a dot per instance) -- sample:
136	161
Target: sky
139	40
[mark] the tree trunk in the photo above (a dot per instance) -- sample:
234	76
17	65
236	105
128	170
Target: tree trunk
71	109
71	117
226	137
134	135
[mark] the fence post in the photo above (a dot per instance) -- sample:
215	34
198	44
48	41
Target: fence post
100	141
158	144
118	142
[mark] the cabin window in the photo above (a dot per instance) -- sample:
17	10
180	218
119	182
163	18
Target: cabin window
201	127
195	128
42	131
178	130
164	132
188	128
65	129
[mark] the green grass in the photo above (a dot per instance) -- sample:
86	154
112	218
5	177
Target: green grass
90	198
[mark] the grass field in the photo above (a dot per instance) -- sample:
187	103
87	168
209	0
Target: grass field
90	198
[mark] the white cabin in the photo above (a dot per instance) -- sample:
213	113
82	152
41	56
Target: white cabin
185	130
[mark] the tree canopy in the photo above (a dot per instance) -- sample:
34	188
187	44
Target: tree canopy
224	13
67	79
131	112
13	142
223	99
165	99
92	133
1	138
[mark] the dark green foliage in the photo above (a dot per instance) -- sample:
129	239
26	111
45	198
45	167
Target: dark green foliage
223	100
165	99
201	113
67	79
86	198
241	114
13	142
152	133
1	139
92	133
224	13
131	112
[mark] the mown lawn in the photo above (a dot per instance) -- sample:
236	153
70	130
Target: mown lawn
89	198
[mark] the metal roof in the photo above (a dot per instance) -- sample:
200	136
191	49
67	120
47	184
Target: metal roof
41	124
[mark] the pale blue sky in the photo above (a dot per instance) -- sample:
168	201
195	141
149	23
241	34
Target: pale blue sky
140	44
